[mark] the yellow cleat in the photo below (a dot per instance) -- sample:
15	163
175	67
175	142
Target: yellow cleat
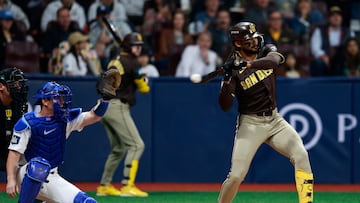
107	190
132	191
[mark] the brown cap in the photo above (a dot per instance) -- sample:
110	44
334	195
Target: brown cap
335	10
77	37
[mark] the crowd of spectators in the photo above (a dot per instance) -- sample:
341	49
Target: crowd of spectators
318	37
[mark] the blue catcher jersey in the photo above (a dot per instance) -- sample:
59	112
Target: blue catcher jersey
48	137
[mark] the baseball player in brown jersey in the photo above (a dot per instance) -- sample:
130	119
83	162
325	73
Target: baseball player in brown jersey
258	121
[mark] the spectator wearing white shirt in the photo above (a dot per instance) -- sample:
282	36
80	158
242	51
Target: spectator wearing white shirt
326	42
197	58
76	10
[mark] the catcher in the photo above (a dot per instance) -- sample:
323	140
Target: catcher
253	85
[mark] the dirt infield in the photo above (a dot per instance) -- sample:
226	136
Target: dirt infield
216	187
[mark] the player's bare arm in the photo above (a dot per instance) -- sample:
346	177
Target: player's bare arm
11	169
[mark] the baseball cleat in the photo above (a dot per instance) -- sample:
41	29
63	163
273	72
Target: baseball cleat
132	191
107	190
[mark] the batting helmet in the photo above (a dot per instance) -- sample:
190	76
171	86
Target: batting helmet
61	96
131	39
243	33
15	80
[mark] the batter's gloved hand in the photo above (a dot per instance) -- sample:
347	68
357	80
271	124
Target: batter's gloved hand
231	65
267	49
108	82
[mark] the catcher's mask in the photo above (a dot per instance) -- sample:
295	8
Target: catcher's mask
244	36
15	81
132	39
60	95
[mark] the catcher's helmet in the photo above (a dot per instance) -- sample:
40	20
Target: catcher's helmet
15	80
131	39
243	33
61	96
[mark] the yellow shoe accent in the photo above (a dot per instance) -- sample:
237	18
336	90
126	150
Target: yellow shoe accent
132	191
304	186
107	190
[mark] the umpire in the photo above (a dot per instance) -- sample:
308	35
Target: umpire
121	129
13	104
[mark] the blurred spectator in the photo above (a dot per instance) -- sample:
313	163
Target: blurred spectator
9	33
291	68
58	30
277	32
219	31
305	20
257	11
18	13
76	11
157	15
116	10
54	42
80	60
172	42
34	10
197	59
286	7
134	10
146	67
100	36
351	59
207	16
326	42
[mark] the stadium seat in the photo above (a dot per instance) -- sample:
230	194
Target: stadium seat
23	55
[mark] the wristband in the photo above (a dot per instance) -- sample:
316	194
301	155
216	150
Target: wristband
101	107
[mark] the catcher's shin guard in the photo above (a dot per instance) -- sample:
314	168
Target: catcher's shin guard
37	171
133	172
304	186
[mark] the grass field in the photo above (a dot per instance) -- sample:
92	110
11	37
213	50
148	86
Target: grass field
207	197
208	193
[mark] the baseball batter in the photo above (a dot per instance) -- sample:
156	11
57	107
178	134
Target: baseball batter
258	120
38	143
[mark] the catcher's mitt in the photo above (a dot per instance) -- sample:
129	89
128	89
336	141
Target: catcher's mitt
108	82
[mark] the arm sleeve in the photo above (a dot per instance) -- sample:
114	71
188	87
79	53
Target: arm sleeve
273	59
226	95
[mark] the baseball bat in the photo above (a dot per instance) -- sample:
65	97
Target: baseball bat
236	65
210	76
112	30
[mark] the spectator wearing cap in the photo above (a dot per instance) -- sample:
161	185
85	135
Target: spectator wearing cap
18	13
80	60
100	36
326	42
77	12
147	68
9	32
